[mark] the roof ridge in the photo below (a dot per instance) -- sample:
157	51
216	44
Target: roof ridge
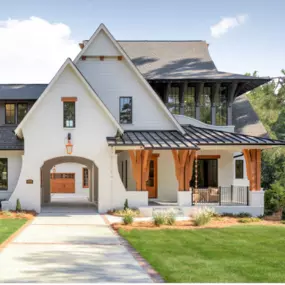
175	41
1	84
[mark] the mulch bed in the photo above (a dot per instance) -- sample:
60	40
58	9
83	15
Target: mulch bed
184	225
29	215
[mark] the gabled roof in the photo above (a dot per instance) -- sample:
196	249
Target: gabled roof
102	27
179	60
68	62
21	91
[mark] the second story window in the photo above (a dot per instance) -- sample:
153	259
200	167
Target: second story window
69	114
10	113
126	110
189	102
22	110
173	100
221	107
205	105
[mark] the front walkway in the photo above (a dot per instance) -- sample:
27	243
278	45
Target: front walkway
63	245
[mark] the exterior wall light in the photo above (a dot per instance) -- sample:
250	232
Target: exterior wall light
69	145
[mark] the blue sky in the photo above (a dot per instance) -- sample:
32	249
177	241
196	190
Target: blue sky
255	42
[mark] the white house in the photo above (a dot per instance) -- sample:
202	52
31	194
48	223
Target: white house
150	122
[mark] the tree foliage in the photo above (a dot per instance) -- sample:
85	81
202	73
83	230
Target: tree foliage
268	102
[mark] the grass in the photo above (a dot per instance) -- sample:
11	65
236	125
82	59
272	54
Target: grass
234	254
9	226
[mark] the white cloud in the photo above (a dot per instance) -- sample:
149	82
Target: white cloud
32	50
227	23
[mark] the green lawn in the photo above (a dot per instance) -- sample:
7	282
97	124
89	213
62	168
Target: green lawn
233	254
9	226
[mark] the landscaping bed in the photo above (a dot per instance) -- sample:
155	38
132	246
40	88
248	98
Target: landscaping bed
216	222
16	215
230	252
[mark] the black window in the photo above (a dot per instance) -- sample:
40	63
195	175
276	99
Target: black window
205	105
221	107
85	178
3	173
207	172
10	113
126	107
189	102
69	114
173	100
22	110
239	169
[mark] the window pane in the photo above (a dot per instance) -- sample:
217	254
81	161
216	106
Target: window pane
69	114
126	107
207	171
85	177
189	102
239	169
205	105
3	174
173	100
10	114
221	107
22	111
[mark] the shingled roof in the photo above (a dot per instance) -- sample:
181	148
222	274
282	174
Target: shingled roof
158	60
8	139
21	91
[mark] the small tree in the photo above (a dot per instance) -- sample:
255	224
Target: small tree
126	205
274	198
18	206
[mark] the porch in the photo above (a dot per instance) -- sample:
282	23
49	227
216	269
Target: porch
193	170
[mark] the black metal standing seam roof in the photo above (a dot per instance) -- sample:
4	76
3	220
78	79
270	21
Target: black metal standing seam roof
21	91
152	140
8	139
202	136
193	138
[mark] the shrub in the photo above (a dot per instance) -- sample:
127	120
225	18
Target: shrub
18	206
248	220
283	222
159	218
7	213
274	199
128	219
243	215
170	217
122	212
202	216
126	204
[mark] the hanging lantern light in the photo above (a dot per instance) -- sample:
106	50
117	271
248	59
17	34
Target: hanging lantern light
69	145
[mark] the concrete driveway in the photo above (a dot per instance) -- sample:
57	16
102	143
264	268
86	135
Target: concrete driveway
69	245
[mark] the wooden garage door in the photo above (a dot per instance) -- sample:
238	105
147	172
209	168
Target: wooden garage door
62	182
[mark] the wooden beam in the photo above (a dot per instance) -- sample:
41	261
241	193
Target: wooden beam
189	168
180	157
68	99
209	156
253	168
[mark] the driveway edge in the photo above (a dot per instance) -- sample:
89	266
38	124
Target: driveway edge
154	275
6	242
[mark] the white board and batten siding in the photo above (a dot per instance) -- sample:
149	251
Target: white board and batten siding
112	79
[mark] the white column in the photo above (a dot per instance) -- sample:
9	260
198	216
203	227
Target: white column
184	198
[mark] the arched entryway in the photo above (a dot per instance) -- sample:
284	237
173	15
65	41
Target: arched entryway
48	179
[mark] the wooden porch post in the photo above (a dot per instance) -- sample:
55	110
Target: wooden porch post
183	160
140	165
253	168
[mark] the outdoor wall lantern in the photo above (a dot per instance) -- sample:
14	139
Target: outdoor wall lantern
69	145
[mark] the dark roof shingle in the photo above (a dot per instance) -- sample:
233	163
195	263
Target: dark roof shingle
8	139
